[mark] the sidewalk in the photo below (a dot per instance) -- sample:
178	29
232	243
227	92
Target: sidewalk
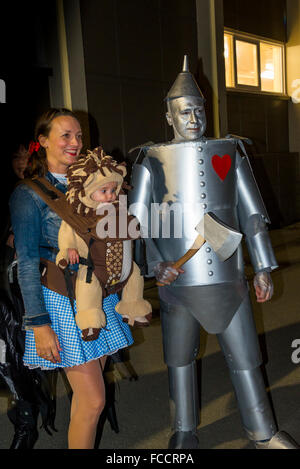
142	405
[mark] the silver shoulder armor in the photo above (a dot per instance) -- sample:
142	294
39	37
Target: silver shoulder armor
253	217
139	197
250	200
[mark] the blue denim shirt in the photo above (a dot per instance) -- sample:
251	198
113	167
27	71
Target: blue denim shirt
35	227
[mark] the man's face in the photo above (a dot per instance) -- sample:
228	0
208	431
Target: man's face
187	116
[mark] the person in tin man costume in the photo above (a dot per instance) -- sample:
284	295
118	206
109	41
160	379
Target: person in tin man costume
205	176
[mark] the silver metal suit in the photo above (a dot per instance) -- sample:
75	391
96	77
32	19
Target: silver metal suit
174	185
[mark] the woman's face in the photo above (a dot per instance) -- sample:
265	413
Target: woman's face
63	144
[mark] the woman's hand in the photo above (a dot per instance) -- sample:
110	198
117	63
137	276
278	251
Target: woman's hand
46	342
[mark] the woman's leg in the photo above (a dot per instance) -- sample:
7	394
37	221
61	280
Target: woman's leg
88	402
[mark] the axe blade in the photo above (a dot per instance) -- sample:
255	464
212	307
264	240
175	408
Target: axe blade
223	239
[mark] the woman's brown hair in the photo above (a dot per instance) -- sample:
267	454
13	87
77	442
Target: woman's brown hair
37	165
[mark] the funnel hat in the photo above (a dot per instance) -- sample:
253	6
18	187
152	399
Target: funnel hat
185	84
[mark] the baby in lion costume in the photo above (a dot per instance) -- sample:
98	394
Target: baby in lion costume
105	263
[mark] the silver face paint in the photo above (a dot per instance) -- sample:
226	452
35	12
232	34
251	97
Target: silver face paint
185	103
187	116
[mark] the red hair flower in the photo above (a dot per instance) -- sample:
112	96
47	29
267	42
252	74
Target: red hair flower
33	146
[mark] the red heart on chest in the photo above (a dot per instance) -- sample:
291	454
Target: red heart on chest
221	165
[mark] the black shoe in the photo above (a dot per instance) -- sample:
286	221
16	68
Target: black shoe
25	423
112	418
24	438
184	440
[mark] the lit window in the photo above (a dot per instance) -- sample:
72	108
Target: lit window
229	66
253	64
271	68
246	63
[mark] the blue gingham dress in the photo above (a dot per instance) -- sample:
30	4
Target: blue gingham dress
75	351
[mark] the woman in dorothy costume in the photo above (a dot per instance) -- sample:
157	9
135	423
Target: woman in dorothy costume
52	336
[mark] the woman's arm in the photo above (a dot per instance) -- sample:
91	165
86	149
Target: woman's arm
26	225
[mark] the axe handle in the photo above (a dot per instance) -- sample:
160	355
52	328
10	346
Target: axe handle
187	256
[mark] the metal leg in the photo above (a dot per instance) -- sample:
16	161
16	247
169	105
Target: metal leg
184	397
254	405
240	346
184	405
181	345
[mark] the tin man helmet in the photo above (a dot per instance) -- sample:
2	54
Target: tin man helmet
185	84
185	103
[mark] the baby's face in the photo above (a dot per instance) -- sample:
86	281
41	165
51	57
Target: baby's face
106	193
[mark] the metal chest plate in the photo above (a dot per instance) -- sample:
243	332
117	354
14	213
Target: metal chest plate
188	180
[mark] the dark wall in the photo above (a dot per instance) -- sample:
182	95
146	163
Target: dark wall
262	118
23	64
276	175
261	17
133	51
24	69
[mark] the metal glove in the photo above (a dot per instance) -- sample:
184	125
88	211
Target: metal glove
165	273
263	285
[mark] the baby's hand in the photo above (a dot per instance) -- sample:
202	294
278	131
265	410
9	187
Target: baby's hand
73	256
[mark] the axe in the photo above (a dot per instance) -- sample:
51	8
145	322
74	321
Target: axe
223	239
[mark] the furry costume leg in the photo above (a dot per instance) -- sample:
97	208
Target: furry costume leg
132	306
90	316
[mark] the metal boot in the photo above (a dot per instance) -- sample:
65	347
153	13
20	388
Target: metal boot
184	440
281	440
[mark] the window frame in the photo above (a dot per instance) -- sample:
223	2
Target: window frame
257	40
